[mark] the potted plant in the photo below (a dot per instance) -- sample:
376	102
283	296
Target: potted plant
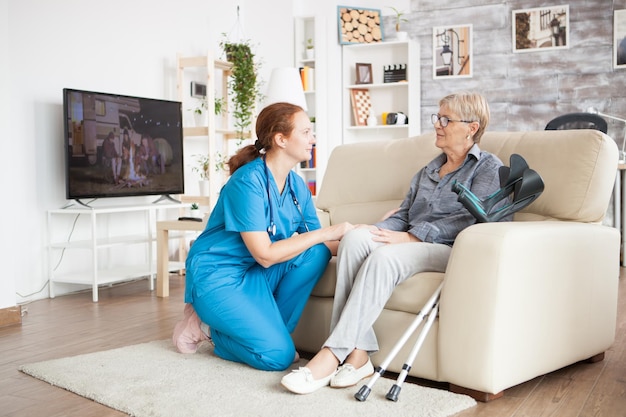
221	162
199	111
242	84
400	35
194	210
202	106
203	164
310	49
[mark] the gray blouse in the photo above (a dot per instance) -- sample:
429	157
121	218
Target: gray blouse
431	210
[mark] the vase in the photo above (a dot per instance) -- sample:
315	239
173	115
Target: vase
199	119
310	53
204	187
402	36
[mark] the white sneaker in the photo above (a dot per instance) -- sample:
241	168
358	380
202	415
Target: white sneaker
348	376
300	381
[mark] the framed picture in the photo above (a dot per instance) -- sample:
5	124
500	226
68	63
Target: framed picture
359	25
452	51
619	38
363	73
198	90
540	29
361	105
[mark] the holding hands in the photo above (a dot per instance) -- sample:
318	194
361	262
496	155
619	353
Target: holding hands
336	231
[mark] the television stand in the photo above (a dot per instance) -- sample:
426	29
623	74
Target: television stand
79	203
166	197
102	242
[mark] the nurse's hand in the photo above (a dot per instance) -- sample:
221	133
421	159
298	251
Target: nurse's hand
336	231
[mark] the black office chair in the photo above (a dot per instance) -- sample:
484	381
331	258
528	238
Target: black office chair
578	121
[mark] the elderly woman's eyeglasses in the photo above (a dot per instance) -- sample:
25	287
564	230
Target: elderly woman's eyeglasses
444	120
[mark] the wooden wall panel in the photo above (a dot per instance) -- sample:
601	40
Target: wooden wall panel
525	90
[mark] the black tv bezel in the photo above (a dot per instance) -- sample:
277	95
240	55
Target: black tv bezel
129	192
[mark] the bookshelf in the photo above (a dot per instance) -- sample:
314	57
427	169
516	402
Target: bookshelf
386	92
311	30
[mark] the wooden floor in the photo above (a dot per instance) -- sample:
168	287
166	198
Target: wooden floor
129	314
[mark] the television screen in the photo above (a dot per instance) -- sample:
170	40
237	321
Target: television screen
121	146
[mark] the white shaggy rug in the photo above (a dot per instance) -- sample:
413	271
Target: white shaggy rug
152	379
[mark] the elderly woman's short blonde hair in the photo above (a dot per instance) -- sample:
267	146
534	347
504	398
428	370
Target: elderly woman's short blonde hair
469	106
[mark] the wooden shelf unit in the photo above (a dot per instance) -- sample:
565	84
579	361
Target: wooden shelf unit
216	78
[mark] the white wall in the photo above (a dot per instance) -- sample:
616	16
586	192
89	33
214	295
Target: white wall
113	46
10	188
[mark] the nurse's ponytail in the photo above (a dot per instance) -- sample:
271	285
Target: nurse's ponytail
274	119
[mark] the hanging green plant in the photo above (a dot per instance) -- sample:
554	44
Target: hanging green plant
242	84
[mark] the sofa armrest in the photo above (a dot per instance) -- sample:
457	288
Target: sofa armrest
521	299
324	217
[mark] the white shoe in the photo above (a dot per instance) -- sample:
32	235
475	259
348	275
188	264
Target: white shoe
300	381
347	375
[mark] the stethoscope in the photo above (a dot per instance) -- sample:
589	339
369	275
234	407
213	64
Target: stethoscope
271	229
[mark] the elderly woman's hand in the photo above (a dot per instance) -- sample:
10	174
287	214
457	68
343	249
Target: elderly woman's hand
390	236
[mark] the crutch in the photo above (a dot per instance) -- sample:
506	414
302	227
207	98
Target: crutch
524	183
365	390
394	391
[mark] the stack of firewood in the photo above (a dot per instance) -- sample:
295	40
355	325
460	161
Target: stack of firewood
360	26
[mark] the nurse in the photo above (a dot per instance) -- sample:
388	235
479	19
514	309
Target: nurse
251	271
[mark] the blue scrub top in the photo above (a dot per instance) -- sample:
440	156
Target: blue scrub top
243	206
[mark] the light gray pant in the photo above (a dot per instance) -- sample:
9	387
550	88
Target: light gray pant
367	273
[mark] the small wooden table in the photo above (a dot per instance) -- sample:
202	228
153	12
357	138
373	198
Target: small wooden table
162	238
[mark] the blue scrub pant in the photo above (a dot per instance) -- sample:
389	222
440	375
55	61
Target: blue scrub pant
252	316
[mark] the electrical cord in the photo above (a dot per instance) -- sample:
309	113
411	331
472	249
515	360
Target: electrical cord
69	238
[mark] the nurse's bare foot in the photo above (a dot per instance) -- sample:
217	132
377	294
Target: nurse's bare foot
187	333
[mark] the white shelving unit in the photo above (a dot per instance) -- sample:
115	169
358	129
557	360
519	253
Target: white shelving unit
384	97
314	28
99	240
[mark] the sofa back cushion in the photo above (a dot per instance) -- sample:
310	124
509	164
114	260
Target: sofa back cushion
365	180
578	168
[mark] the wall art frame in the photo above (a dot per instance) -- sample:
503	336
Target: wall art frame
363	73
452	51
540	29
359	25
198	90
361	105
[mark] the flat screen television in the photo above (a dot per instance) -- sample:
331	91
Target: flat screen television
121	146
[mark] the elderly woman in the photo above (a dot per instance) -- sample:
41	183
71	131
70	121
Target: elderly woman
373	260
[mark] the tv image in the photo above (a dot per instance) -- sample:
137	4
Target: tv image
121	146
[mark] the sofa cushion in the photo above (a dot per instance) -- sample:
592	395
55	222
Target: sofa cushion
578	176
409	296
364	180
325	287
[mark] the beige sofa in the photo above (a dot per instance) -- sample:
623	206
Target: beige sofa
520	299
